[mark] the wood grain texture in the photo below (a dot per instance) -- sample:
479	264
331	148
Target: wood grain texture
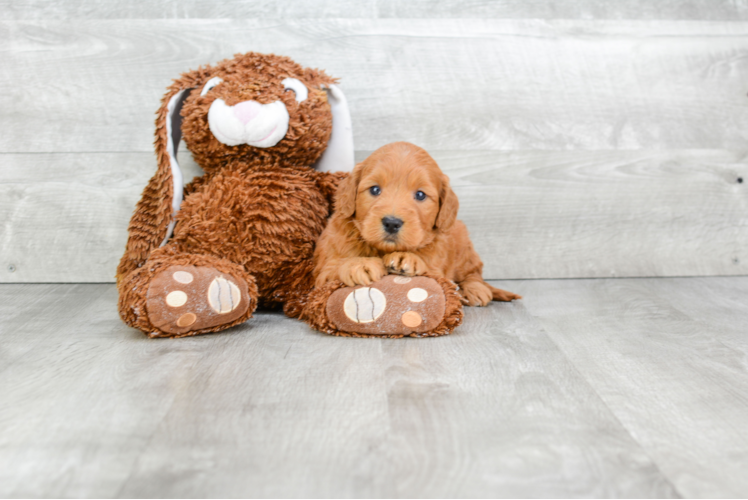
272	409
606	388
604	214
274	400
29	310
728	10
65	216
531	214
668	357
448	84
495	410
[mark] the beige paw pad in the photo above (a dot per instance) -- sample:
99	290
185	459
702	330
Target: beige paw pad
417	295
364	305
176	299
402	280
223	295
186	320
411	319
183	277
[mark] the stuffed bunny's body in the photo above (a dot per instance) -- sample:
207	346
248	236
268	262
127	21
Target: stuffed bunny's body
200	259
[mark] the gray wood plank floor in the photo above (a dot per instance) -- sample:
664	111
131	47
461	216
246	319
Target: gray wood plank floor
606	388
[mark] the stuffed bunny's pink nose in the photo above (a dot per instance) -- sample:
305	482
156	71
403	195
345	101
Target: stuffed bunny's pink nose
247	110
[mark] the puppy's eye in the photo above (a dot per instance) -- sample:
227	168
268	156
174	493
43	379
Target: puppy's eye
375	190
299	88
420	195
210	84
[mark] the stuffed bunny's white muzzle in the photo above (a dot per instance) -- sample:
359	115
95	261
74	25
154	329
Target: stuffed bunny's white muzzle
248	122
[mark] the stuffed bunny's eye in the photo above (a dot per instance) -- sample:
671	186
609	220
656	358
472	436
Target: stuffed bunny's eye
210	84
299	88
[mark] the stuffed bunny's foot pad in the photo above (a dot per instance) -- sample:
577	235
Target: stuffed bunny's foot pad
394	305
182	299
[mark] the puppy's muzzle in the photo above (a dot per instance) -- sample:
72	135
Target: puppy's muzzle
392	224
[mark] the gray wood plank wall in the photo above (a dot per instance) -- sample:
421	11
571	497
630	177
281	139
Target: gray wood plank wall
585	138
723	10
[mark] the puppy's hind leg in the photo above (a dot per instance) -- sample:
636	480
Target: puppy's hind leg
503	295
480	293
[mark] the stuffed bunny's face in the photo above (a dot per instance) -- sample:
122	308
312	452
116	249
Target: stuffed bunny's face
254	107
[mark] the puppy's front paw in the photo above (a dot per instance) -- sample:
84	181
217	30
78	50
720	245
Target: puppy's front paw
361	271
475	293
405	263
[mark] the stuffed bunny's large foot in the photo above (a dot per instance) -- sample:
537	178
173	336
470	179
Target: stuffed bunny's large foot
394	306
186	298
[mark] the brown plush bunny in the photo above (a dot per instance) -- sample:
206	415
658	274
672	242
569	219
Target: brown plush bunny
266	131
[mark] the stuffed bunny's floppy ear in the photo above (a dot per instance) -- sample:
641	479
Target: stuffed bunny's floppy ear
338	157
173	136
153	222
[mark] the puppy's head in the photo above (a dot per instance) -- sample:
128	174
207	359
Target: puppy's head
398	198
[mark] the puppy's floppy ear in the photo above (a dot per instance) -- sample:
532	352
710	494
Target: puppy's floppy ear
153	221
448	206
345	197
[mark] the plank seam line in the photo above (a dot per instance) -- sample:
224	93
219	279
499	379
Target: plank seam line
541	327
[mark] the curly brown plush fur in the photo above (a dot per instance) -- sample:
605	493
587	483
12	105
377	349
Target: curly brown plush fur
255	215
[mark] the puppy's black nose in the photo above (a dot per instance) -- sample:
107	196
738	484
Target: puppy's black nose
392	224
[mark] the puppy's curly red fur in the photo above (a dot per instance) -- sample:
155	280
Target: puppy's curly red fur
400	182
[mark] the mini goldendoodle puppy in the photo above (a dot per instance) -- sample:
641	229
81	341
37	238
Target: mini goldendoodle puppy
396	214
